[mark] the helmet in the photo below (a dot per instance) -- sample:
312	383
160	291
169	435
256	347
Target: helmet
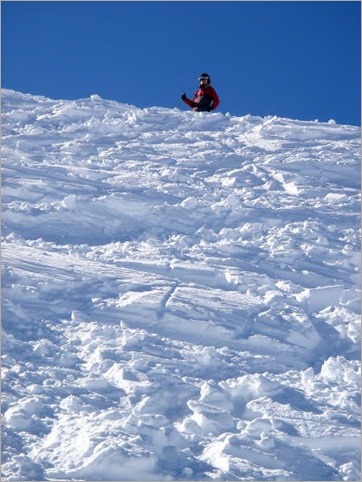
203	77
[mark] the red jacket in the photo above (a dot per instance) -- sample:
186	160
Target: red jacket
205	99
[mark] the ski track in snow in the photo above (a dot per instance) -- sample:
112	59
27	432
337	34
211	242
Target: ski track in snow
180	294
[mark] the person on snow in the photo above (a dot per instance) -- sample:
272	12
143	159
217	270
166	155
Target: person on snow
205	98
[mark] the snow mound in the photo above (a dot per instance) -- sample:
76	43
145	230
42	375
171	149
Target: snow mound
180	294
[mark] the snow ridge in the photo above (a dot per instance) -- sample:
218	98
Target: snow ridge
180	294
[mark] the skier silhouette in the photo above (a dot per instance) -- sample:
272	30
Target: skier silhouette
205	98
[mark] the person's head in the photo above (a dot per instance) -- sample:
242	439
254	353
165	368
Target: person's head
204	80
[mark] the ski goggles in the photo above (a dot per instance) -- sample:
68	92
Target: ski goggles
203	78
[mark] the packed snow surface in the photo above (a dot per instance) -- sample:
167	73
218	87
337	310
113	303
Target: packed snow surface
180	294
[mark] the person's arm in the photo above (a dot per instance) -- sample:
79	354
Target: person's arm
189	102
215	98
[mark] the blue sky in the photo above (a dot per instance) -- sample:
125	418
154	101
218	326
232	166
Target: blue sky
291	59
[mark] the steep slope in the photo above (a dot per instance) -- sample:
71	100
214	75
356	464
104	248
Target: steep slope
180	294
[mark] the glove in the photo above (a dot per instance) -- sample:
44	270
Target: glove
183	97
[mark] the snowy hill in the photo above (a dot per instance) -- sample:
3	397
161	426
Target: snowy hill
180	294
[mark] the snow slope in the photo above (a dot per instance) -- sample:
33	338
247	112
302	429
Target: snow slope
180	294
